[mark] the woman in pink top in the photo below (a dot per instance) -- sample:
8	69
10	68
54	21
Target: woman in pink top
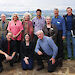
15	27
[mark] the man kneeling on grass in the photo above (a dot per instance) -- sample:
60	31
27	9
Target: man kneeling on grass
7	50
49	50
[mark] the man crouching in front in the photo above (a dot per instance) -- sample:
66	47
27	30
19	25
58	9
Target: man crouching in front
48	49
7	50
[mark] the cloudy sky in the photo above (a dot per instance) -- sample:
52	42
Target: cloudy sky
19	5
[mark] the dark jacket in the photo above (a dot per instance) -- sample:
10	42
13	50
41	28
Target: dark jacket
52	31
4	46
27	51
73	22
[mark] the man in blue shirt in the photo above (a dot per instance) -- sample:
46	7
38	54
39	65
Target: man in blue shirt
60	24
70	31
49	49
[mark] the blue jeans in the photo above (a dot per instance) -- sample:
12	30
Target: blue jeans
27	66
69	48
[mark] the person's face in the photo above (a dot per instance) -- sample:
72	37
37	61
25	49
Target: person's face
9	36
48	20
3	18
15	17
69	11
27	37
27	18
40	35
56	13
38	13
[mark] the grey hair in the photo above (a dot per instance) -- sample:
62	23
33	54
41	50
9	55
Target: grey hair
48	17
25	14
39	31
3	15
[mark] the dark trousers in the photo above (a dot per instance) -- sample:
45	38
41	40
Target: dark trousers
51	67
59	43
27	66
18	44
2	57
35	39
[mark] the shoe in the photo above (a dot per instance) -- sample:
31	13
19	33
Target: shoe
1	69
60	62
40	67
69	59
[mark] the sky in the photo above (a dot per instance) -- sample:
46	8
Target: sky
26	5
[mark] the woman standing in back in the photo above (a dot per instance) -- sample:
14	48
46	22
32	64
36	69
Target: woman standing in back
27	25
49	29
15	27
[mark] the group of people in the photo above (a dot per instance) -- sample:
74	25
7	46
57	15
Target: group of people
39	38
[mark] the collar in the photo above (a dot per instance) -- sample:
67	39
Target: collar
57	16
40	17
2	21
71	15
43	38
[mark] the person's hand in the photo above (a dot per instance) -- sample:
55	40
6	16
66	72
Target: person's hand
14	36
63	37
40	53
51	37
7	57
10	57
53	60
26	60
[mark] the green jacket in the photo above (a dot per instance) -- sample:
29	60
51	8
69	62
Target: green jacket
3	31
